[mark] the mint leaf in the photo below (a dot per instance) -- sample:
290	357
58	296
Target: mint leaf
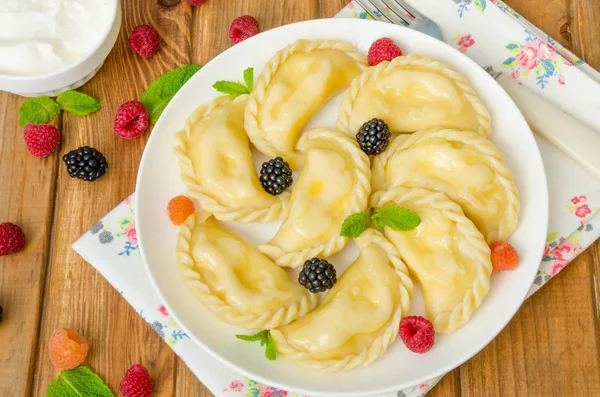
253	338
230	88
355	224
378	223
162	90
38	111
265	338
249	78
270	352
77	103
236	88
77	382
397	218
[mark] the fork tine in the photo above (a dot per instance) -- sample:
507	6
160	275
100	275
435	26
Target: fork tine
400	11
407	8
392	13
373	10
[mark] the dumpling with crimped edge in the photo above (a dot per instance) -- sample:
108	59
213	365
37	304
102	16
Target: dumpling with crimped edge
293	86
334	183
413	93
217	167
234	280
462	164
358	318
446	254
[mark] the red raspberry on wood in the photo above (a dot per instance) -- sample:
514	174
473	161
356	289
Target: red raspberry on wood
131	120
144	40
243	27
136	382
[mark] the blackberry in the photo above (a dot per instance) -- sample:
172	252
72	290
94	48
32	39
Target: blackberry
85	163
374	136
276	176
317	275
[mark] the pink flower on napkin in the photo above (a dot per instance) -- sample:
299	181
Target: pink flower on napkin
268	391
162	310
546	51
529	55
236	385
465	41
564	254
561	80
515	74
582	211
579	199
131	234
272	392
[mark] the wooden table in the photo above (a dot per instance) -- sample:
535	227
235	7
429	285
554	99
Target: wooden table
550	348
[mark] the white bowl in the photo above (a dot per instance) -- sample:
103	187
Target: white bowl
71	76
158	181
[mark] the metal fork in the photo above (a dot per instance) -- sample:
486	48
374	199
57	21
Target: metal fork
400	12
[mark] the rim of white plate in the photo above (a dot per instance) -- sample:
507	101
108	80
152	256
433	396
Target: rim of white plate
534	248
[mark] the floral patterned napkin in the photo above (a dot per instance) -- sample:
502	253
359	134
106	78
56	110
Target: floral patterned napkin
490	33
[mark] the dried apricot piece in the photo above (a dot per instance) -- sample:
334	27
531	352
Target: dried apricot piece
67	349
179	208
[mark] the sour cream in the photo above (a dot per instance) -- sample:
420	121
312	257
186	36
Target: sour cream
38	36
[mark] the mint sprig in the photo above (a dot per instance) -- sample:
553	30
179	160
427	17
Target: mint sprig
77	103
38	111
236	88
355	224
162	90
80	381
265	338
395	217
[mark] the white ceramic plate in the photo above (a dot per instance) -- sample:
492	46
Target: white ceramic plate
158	181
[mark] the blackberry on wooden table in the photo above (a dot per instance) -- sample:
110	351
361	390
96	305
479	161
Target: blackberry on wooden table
317	275
85	163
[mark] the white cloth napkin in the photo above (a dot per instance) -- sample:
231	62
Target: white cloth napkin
490	33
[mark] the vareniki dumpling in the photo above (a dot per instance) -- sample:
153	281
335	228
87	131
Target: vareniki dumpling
334	183
358	318
234	280
446	254
462	164
293	86
216	165
413	93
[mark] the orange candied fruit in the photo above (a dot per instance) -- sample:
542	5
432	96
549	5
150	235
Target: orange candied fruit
179	208
504	256
67	349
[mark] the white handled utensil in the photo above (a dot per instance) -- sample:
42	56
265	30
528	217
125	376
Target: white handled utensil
572	137
568	134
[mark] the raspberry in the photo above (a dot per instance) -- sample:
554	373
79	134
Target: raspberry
196	2
383	49
131	120
12	238
179	208
136	382
41	139
504	256
417	333
67	349
144	40
242	28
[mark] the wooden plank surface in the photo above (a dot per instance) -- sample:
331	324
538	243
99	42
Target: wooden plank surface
550	348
